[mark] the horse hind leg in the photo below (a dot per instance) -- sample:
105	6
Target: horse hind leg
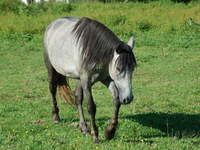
53	90
53	78
58	81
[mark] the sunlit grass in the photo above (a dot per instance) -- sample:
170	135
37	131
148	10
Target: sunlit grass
165	113
129	17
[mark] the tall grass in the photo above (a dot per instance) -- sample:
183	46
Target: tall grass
158	16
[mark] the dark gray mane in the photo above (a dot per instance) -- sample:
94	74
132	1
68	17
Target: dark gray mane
98	43
126	58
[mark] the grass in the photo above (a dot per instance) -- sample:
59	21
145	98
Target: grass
166	111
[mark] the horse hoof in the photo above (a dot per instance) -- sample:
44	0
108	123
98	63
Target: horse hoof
86	131
56	119
110	133
96	140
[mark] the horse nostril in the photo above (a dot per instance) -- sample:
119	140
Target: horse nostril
124	101
127	100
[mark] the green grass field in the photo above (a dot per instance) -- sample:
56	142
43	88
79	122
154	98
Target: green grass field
166	110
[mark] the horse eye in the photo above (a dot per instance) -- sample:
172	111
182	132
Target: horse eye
118	69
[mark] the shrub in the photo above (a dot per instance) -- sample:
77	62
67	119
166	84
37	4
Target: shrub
144	25
11	5
34	9
61	7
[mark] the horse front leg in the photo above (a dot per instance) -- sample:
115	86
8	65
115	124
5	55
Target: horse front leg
110	130
86	85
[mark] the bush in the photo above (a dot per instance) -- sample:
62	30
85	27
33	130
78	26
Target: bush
183	1
61	7
144	25
34	9
11	6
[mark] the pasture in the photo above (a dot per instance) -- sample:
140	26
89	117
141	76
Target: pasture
166	111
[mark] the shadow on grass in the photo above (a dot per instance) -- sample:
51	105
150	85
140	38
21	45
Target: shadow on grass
173	125
176	125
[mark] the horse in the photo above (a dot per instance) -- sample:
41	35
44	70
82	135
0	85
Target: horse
86	50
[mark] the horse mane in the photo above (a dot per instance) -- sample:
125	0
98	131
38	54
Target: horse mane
126	59
97	42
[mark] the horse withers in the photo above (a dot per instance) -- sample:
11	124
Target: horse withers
86	50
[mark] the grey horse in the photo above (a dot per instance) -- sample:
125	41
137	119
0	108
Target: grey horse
86	50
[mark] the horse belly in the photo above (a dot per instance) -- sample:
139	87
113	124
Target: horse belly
68	69
66	62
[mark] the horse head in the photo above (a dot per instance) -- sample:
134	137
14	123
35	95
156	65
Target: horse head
121	69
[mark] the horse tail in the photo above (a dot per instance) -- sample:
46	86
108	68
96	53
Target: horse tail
65	91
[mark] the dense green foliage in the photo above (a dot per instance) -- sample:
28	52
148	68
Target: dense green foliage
166	111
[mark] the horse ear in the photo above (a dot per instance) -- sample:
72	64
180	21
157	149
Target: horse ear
131	42
123	48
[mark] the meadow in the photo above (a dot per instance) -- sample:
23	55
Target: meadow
166	111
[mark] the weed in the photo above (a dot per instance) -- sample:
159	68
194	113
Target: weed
144	25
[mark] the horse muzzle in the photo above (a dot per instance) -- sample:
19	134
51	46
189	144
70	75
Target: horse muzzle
127	100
